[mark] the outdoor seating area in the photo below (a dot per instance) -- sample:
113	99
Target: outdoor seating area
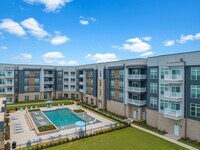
17	126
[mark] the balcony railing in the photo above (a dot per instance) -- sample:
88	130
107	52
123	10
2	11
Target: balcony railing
48	82
9	83
81	82
80	90
173	95
48	75
137	102
48	89
81	75
173	114
172	77
10	92
137	89
137	76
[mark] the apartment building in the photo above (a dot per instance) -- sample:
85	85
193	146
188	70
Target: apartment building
163	90
174	94
2	116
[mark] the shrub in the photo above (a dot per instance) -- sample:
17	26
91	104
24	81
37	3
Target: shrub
46	128
78	110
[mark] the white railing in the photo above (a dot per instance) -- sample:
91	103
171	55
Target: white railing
137	102
48	89
137	89
175	77
81	75
48	82
81	82
48	75
10	92
9	83
80	90
173	95
137	76
173	114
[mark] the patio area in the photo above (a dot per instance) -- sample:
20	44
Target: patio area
21	133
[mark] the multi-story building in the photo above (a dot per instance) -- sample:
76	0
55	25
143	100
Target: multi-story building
163	90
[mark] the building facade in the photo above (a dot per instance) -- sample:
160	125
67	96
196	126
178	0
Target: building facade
163	90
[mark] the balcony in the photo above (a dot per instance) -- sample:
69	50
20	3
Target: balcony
48	82
173	114
172	77
173	95
10	92
81	82
137	76
48	75
48	89
137	102
80	90
137	89
81	75
9	83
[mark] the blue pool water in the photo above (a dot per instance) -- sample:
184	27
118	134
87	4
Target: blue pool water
62	117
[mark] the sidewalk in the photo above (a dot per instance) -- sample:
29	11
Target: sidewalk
164	137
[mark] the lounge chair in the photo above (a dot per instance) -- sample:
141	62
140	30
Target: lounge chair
36	113
14	118
36	107
63	104
42	123
50	105
39	118
59	105
31	108
21	109
92	122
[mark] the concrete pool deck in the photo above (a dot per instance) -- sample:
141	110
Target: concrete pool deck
27	134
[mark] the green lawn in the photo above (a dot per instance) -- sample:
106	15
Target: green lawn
125	139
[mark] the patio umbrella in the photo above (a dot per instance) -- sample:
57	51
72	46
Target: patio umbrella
49	101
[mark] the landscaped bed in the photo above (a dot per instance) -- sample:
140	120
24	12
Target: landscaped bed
46	128
125	139
33	104
78	110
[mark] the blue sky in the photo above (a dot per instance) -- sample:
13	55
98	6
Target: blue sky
71	32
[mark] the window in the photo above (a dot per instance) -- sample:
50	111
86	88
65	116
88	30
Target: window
176	89
121	96
2	89
26	97
153	102
2	73
59	73
100	73
153	87
9	99
37	81
9	89
195	73
36	97
163	104
37	73
45	96
26	88
72	74
195	91
100	83
72	95
176	72
72	87
112	95
2	81
92	101
66	86
66	73
37	88
26	80
121	85
164	87
121	73
112	84
112	73
65	80
72	80
164	71
9	73
195	110
153	73
26	73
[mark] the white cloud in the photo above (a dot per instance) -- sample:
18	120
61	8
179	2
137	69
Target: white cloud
59	39
135	45
23	56
51	57
190	37
169	43
34	28
147	38
64	62
12	27
146	54
102	57
4	47
84	22
50	5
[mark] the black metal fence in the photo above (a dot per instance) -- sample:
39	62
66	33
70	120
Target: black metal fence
57	139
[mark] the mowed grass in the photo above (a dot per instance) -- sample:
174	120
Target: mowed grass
125	139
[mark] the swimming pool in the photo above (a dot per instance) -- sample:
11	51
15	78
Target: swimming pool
62	117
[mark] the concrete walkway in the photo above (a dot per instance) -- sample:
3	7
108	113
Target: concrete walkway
164	137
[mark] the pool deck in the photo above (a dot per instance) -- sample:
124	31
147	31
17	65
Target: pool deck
23	137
